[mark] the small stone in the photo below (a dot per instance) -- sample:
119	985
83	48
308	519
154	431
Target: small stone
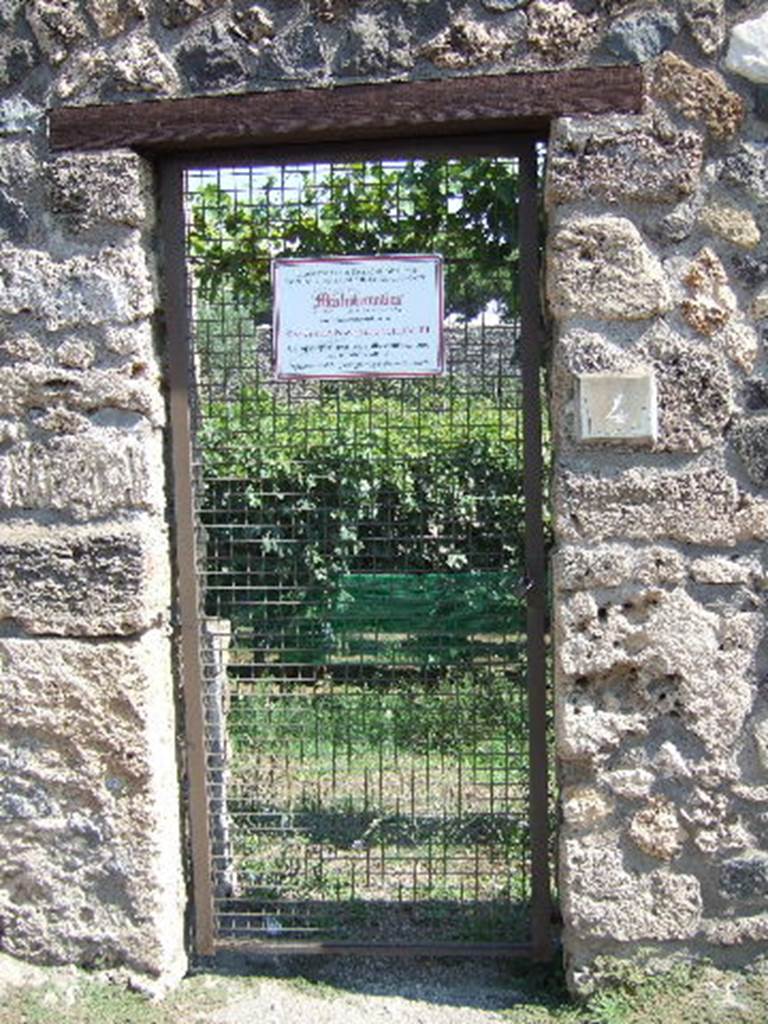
601	267
176	13
760	733
760	304
641	37
76	355
740	343
712	303
14	220
375	43
58	27
721	571
706	20
748	168
735	225
465	43
19	117
17	58
112	17
745	878
756	394
657	831
503	5
699	95
556	29
211	59
609	565
253	24
748	49
631	783
752	270
679	223
136	66
695	397
750	438
584	806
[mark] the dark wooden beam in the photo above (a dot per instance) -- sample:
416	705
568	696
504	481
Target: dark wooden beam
405	109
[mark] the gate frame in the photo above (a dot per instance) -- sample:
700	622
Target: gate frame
523	148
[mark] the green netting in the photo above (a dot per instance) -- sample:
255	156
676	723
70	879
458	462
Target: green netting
419	618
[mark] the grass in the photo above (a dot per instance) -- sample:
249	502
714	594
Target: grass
537	995
403	794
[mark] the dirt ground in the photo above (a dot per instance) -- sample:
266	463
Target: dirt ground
371	991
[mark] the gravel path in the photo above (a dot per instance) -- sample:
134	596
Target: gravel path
368	991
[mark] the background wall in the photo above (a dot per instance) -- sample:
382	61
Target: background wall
656	258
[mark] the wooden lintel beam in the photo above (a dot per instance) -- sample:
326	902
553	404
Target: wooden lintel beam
386	110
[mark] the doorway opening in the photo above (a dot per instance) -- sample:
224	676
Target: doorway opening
365	558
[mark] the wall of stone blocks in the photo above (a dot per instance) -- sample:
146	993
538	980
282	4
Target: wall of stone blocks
656	260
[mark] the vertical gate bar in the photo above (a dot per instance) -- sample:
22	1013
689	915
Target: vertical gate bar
535	559
180	374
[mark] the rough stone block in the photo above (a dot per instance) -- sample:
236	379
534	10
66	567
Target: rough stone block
113	287
606	900
92	189
699	94
58	25
706	20
613	565
650	654
727	571
378	41
621	159
711	303
89	844
556	30
135	67
601	267
735	225
466	43
748	49
750	438
656	830
641	37
83	583
182	12
113	17
19	117
25	387
17	59
694	506
211	59
102	472
748	167
745	878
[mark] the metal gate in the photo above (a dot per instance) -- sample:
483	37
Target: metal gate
361	566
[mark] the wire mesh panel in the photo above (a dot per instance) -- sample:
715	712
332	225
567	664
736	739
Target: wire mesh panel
361	563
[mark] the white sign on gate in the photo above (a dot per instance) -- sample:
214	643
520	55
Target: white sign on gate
358	316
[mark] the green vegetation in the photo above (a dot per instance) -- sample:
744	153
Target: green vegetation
465	210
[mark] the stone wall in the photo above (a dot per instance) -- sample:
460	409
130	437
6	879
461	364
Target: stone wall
656	259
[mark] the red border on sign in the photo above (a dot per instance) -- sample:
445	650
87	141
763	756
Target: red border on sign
434	258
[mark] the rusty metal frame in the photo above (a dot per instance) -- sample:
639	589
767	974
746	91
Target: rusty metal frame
171	172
